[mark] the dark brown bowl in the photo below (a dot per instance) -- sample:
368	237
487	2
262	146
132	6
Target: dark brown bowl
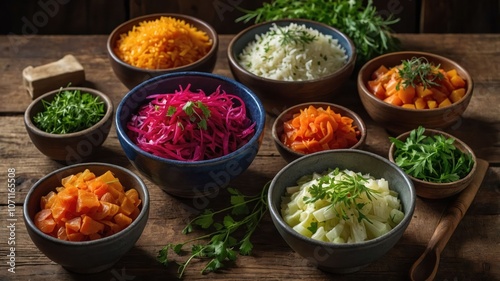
432	190
131	76
397	119
277	129
277	95
86	256
73	147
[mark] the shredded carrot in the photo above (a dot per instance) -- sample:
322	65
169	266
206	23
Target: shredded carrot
316	129
162	44
87	207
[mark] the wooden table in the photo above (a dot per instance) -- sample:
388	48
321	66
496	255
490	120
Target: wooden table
473	252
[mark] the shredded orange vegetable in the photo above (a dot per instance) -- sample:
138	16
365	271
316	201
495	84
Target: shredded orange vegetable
162	44
316	129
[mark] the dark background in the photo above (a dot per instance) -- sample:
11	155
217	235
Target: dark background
28	17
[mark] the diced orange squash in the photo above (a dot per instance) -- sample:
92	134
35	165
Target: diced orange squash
76	236
406	94
73	224
108	197
423	92
86	202
48	200
451	73
379	72
90	226
438	96
394	100
457	81
127	206
110	209
444	103
44	221
457	95
133	195
432	104
408	105
420	103
111	180
122	219
390	87
377	89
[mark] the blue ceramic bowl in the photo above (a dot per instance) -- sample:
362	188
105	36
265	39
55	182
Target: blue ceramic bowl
87	256
279	95
198	178
341	258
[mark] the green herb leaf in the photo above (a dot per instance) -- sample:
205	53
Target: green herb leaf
418	71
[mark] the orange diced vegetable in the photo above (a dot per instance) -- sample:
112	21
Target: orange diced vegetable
420	103
457	81
423	92
445	102
438	95
432	104
408	105
406	94
379	72
87	207
457	95
394	100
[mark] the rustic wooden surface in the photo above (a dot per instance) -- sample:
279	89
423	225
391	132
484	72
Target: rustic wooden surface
471	253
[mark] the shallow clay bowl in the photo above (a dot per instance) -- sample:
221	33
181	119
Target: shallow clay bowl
131	75
277	95
432	190
397	119
74	147
277	129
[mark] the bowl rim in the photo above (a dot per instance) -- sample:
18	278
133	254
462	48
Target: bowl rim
350	113
276	214
143	213
213	35
433	185
365	92
233	61
107	115
122	134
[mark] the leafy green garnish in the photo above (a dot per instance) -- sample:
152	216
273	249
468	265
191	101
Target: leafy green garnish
359	20
431	158
197	112
417	71
69	112
341	189
239	222
292	36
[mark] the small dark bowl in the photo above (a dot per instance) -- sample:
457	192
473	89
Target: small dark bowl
69	148
348	257
278	95
432	190
196	178
397	119
131	76
277	130
87	256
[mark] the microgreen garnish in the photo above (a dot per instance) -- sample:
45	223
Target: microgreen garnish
431	158
341	189
70	111
417	71
190	108
224	243
292	36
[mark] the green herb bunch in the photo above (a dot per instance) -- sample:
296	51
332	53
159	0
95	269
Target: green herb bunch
230	235
431	158
342	189
70	111
196	112
370	32
418	71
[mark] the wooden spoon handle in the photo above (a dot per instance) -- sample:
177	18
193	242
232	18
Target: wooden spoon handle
456	211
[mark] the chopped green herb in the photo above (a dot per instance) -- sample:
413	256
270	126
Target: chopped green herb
70	111
244	214
417	71
431	158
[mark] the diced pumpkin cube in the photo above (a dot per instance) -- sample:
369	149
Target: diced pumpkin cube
377	89
420	103
90	226
44	221
444	103
379	72
127	206
432	104
394	100
133	195
457	95
73	224
457	81
111	180
122	220
423	92
406	94
408	105
48	200
451	73
86	201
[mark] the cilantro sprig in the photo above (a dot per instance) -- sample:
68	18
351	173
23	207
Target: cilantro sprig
431	158
230	235
70	111
196	111
341	189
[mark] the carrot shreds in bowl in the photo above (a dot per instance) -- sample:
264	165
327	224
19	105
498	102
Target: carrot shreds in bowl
316	129
162	44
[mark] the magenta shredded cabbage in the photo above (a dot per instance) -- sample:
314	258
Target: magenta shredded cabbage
190	126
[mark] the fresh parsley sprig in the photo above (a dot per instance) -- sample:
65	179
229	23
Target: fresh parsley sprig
196	111
418	71
431	158
70	111
360	20
229	236
341	189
